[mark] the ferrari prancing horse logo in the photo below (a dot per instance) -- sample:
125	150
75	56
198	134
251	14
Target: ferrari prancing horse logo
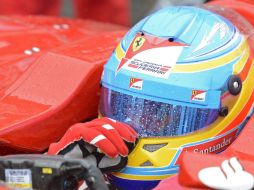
138	42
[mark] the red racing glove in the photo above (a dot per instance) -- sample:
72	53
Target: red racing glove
105	142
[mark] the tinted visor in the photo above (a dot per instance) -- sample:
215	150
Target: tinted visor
150	118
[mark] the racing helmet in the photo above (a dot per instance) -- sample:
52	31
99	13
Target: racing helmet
183	79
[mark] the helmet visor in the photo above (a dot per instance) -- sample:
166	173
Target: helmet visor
151	118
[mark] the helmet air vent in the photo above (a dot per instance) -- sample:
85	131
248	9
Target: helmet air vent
171	39
234	85
223	111
153	147
147	163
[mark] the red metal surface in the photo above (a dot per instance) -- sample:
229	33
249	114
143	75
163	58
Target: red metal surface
44	92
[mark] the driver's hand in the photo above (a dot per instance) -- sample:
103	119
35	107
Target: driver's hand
104	142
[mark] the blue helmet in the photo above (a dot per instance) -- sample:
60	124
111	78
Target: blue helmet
178	77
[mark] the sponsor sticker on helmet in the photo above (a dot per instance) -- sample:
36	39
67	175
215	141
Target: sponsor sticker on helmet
138	42
136	83
198	95
152	56
213	145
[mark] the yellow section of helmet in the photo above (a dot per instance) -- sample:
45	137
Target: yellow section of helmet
245	53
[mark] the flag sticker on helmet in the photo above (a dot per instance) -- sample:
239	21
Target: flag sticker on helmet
136	83
198	95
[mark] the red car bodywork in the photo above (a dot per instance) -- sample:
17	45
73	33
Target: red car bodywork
50	72
44	92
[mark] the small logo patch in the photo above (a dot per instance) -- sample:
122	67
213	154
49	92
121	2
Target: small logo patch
136	83
138	43
198	95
